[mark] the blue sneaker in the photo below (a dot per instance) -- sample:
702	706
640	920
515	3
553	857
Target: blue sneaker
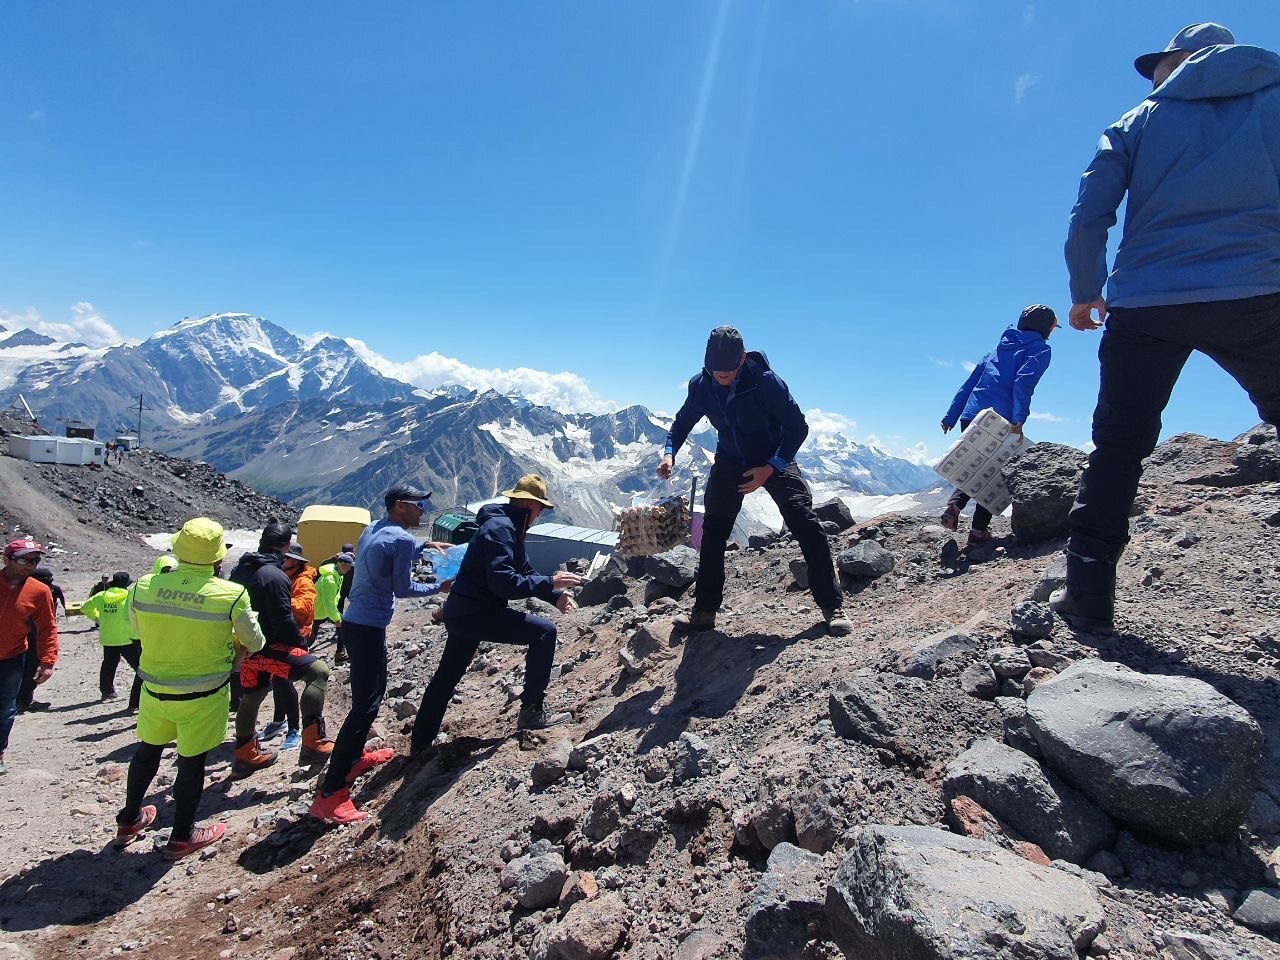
272	730
292	740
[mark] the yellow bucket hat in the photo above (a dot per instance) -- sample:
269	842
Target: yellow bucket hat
200	541
530	487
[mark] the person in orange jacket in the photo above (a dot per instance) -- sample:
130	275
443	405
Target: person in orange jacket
26	610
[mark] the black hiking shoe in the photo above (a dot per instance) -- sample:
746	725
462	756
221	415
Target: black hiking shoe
1088	601
535	717
696	620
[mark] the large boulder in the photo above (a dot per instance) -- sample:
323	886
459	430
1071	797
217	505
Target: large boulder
537	876
1042	481
919	893
589	931
601	589
787	906
678	567
1252	457
867	560
835	511
869	708
1032	800
1168	755
1186	945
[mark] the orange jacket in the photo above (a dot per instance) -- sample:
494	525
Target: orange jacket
23	609
303	601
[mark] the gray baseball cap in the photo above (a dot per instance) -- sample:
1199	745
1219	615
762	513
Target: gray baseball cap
1193	38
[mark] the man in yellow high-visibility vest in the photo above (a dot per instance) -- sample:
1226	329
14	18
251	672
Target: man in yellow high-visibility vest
192	625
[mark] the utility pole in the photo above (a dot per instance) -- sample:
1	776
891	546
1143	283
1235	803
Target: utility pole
141	407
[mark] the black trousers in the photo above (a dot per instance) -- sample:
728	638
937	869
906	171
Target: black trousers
466	633
1142	354
791	493
111	657
367	653
30	660
187	788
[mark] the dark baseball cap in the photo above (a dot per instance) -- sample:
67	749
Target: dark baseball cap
724	350
1038	318
1193	38
404	491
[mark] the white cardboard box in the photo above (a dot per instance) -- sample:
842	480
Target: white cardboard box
973	462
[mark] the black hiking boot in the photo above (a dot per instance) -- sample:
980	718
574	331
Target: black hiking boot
696	620
1088	601
533	716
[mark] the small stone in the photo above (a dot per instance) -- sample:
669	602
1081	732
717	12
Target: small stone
978	680
1036	676
1031	619
232	924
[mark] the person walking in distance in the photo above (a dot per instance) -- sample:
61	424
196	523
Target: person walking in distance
1197	164
26	620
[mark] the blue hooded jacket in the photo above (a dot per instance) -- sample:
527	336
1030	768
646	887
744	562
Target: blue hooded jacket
755	418
1200	161
1005	379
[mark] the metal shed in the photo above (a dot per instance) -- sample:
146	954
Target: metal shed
49	449
454	528
549	545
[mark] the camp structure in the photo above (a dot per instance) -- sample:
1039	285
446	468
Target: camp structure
454	528
74	451
323	529
549	545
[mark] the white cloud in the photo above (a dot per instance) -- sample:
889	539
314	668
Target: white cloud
563	391
1050	418
825	423
1028	14
942	363
968	366
85	325
1022	85
917	453
1088	446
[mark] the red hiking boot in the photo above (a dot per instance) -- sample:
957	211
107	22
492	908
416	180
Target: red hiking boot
251	757
950	517
978	537
201	837
126	833
368	760
337	808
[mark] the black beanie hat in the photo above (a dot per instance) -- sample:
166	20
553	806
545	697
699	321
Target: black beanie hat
1039	318
724	350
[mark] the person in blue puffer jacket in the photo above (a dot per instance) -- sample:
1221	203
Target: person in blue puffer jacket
1003	381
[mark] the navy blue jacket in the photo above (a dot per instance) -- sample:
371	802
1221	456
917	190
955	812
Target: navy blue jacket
495	568
755	418
1005	379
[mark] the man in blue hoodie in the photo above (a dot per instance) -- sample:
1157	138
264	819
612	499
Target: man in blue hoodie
495	570
1003	381
759	429
1198	268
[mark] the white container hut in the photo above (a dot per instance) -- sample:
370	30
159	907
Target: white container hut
72	451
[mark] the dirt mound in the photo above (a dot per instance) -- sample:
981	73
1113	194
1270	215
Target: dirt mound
688	760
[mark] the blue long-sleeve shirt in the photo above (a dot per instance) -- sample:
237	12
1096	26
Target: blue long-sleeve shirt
756	420
384	564
1005	379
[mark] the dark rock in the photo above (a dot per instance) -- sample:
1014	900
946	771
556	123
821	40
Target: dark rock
1031	619
923	660
656	590
818	821
587	751
1042	480
618	602
918	893
1185	945
1053	578
1010	663
601	589
1047	658
786	911
700	945
835	511
537	877
1038	805
1014	726
868	708
799	572
604	817
867	560
773	823
1260	911
693	759
590	930
552	764
979	681
677	567
1169	755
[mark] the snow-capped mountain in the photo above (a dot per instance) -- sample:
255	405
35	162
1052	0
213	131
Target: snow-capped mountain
197	370
310	421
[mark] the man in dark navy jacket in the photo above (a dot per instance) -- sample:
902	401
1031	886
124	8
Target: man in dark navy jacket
759	429
494	570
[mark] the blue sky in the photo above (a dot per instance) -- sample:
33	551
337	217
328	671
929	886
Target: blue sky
870	190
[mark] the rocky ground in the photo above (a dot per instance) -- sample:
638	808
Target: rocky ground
759	790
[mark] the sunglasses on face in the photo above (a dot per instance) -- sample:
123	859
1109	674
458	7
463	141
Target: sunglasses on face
423	505
26	561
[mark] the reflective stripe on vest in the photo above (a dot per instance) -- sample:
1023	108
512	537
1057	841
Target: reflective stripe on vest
183	612
211	681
